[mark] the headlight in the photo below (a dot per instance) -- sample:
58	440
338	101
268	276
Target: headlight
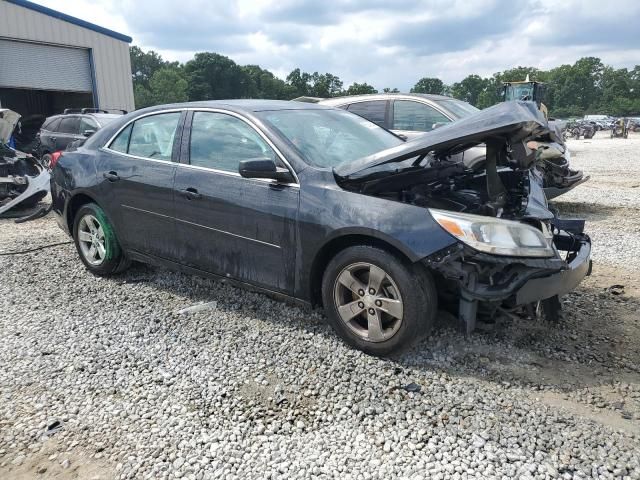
494	235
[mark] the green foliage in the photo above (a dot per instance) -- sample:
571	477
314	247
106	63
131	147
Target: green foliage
587	86
429	85
360	89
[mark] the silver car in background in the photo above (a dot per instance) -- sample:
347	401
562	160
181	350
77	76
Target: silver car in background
410	115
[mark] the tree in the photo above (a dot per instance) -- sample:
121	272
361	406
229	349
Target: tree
316	84
429	85
144	65
390	90
264	84
360	89
299	82
167	85
212	76
470	88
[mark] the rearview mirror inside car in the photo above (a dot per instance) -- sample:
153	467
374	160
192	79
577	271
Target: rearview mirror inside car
264	168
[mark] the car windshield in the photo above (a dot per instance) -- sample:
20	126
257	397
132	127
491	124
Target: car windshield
328	138
457	108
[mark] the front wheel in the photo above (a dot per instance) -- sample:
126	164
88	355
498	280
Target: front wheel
376	302
96	241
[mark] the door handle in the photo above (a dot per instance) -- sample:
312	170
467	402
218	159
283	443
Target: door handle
191	194
111	176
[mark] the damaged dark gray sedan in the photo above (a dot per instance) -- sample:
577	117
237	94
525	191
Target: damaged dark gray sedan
325	207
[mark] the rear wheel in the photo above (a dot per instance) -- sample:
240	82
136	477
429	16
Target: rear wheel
376	302
96	241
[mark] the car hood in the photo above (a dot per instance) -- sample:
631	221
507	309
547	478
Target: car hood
8	121
512	121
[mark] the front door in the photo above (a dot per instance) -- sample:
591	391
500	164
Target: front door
137	171
228	225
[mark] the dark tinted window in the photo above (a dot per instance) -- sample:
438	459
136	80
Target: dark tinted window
221	141
88	124
153	136
373	111
121	142
69	125
51	124
415	116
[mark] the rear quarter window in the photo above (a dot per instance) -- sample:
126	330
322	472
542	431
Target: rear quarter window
51	124
375	111
69	125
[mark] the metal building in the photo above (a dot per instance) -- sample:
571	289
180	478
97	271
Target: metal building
50	61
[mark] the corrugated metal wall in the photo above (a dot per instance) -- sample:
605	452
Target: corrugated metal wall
110	56
44	67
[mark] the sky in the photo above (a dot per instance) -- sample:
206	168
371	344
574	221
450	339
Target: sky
387	43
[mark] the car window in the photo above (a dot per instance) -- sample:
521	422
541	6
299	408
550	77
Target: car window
415	116
457	108
220	141
373	111
51	124
88	124
329	137
69	125
121	142
153	136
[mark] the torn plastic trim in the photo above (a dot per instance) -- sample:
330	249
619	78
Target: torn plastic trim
513	281
35	185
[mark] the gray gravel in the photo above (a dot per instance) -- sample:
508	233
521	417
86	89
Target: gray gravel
103	378
610	201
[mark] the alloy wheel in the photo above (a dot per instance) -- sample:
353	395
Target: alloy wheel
368	301
91	239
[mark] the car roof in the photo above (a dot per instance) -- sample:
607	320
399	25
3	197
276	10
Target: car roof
246	105
382	96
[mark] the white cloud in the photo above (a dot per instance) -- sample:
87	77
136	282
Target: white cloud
387	44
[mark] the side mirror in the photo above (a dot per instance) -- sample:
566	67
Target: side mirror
264	168
438	125
88	133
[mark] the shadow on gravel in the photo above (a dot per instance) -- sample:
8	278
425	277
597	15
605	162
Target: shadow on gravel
591	211
598	340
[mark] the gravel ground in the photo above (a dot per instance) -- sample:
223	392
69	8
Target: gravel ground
103	378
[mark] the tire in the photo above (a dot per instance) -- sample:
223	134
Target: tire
410	285
92	229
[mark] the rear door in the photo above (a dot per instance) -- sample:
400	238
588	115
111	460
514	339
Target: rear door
375	111
136	171
228	225
68	131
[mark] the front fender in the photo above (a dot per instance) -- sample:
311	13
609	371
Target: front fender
329	213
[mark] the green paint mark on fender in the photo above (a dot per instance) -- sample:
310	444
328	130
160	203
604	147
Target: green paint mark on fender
111	245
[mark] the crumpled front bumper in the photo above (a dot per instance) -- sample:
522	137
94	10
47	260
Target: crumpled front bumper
562	282
475	277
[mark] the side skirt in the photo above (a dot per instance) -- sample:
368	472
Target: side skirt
178	267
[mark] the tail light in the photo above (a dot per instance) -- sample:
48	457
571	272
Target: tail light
55	156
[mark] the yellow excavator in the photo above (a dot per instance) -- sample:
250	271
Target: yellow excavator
527	90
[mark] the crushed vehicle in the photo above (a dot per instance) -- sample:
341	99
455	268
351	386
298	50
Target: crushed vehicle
23	179
411	115
318	205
